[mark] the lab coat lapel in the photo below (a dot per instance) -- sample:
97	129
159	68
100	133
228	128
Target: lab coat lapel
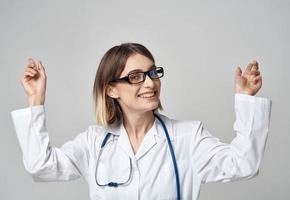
124	143
160	132
148	142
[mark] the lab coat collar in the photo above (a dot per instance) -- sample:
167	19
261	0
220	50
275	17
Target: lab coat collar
148	142
115	129
160	132
124	142
155	134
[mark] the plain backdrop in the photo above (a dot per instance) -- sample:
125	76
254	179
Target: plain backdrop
199	44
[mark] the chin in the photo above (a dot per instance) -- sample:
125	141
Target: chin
146	105
151	107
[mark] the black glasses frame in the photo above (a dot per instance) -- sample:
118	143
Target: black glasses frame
127	79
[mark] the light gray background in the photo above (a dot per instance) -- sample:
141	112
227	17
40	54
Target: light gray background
199	43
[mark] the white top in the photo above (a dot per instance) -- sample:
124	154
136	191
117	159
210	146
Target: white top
201	158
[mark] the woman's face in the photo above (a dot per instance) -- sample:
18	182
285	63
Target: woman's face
141	97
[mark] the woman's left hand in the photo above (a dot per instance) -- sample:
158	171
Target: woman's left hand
250	81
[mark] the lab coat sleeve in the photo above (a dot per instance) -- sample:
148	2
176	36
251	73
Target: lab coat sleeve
241	159
41	160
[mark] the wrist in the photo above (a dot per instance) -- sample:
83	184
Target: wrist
36	100
246	93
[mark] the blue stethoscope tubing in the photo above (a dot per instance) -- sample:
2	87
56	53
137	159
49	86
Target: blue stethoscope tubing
171	152
172	156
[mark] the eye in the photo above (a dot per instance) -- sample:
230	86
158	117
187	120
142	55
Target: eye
135	77
153	73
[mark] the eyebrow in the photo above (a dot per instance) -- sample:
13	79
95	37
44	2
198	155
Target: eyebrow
139	70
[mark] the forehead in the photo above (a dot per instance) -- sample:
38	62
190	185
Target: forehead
137	62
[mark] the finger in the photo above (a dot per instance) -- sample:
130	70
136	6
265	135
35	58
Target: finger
257	79
249	68
28	74
255	65
254	62
30	60
255	72
26	78
238	72
31	70
255	68
32	66
31	63
41	68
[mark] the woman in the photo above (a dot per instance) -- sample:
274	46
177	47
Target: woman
134	152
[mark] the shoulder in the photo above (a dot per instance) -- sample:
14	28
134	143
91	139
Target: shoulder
92	133
95	130
182	128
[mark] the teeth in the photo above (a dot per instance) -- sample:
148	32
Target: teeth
147	95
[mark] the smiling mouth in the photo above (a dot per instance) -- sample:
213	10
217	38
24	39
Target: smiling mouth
148	95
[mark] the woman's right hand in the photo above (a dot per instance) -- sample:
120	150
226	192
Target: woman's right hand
34	82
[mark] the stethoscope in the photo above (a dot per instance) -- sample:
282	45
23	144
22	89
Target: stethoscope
116	184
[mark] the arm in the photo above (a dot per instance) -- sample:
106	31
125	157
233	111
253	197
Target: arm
44	162
217	161
241	158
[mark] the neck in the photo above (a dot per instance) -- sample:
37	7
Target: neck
137	125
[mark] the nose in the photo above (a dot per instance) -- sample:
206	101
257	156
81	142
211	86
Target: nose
148	82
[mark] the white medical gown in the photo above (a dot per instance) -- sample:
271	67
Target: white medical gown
201	157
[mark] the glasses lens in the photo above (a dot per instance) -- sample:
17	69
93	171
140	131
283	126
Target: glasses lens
136	77
156	73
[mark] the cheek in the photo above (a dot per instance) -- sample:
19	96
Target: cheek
158	85
128	93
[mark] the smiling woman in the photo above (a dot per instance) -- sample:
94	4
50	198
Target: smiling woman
133	152
122	60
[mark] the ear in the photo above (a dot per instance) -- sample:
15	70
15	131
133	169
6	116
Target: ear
112	91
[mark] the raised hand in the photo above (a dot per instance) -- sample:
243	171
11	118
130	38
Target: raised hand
34	82
250	81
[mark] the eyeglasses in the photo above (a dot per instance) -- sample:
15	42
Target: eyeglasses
139	77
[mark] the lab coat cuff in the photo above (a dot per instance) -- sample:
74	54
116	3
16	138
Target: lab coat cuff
250	109
253	99
28	110
24	116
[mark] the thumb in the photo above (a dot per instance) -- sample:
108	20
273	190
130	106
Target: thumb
238	72
41	68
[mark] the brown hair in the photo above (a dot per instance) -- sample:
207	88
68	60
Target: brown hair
107	109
